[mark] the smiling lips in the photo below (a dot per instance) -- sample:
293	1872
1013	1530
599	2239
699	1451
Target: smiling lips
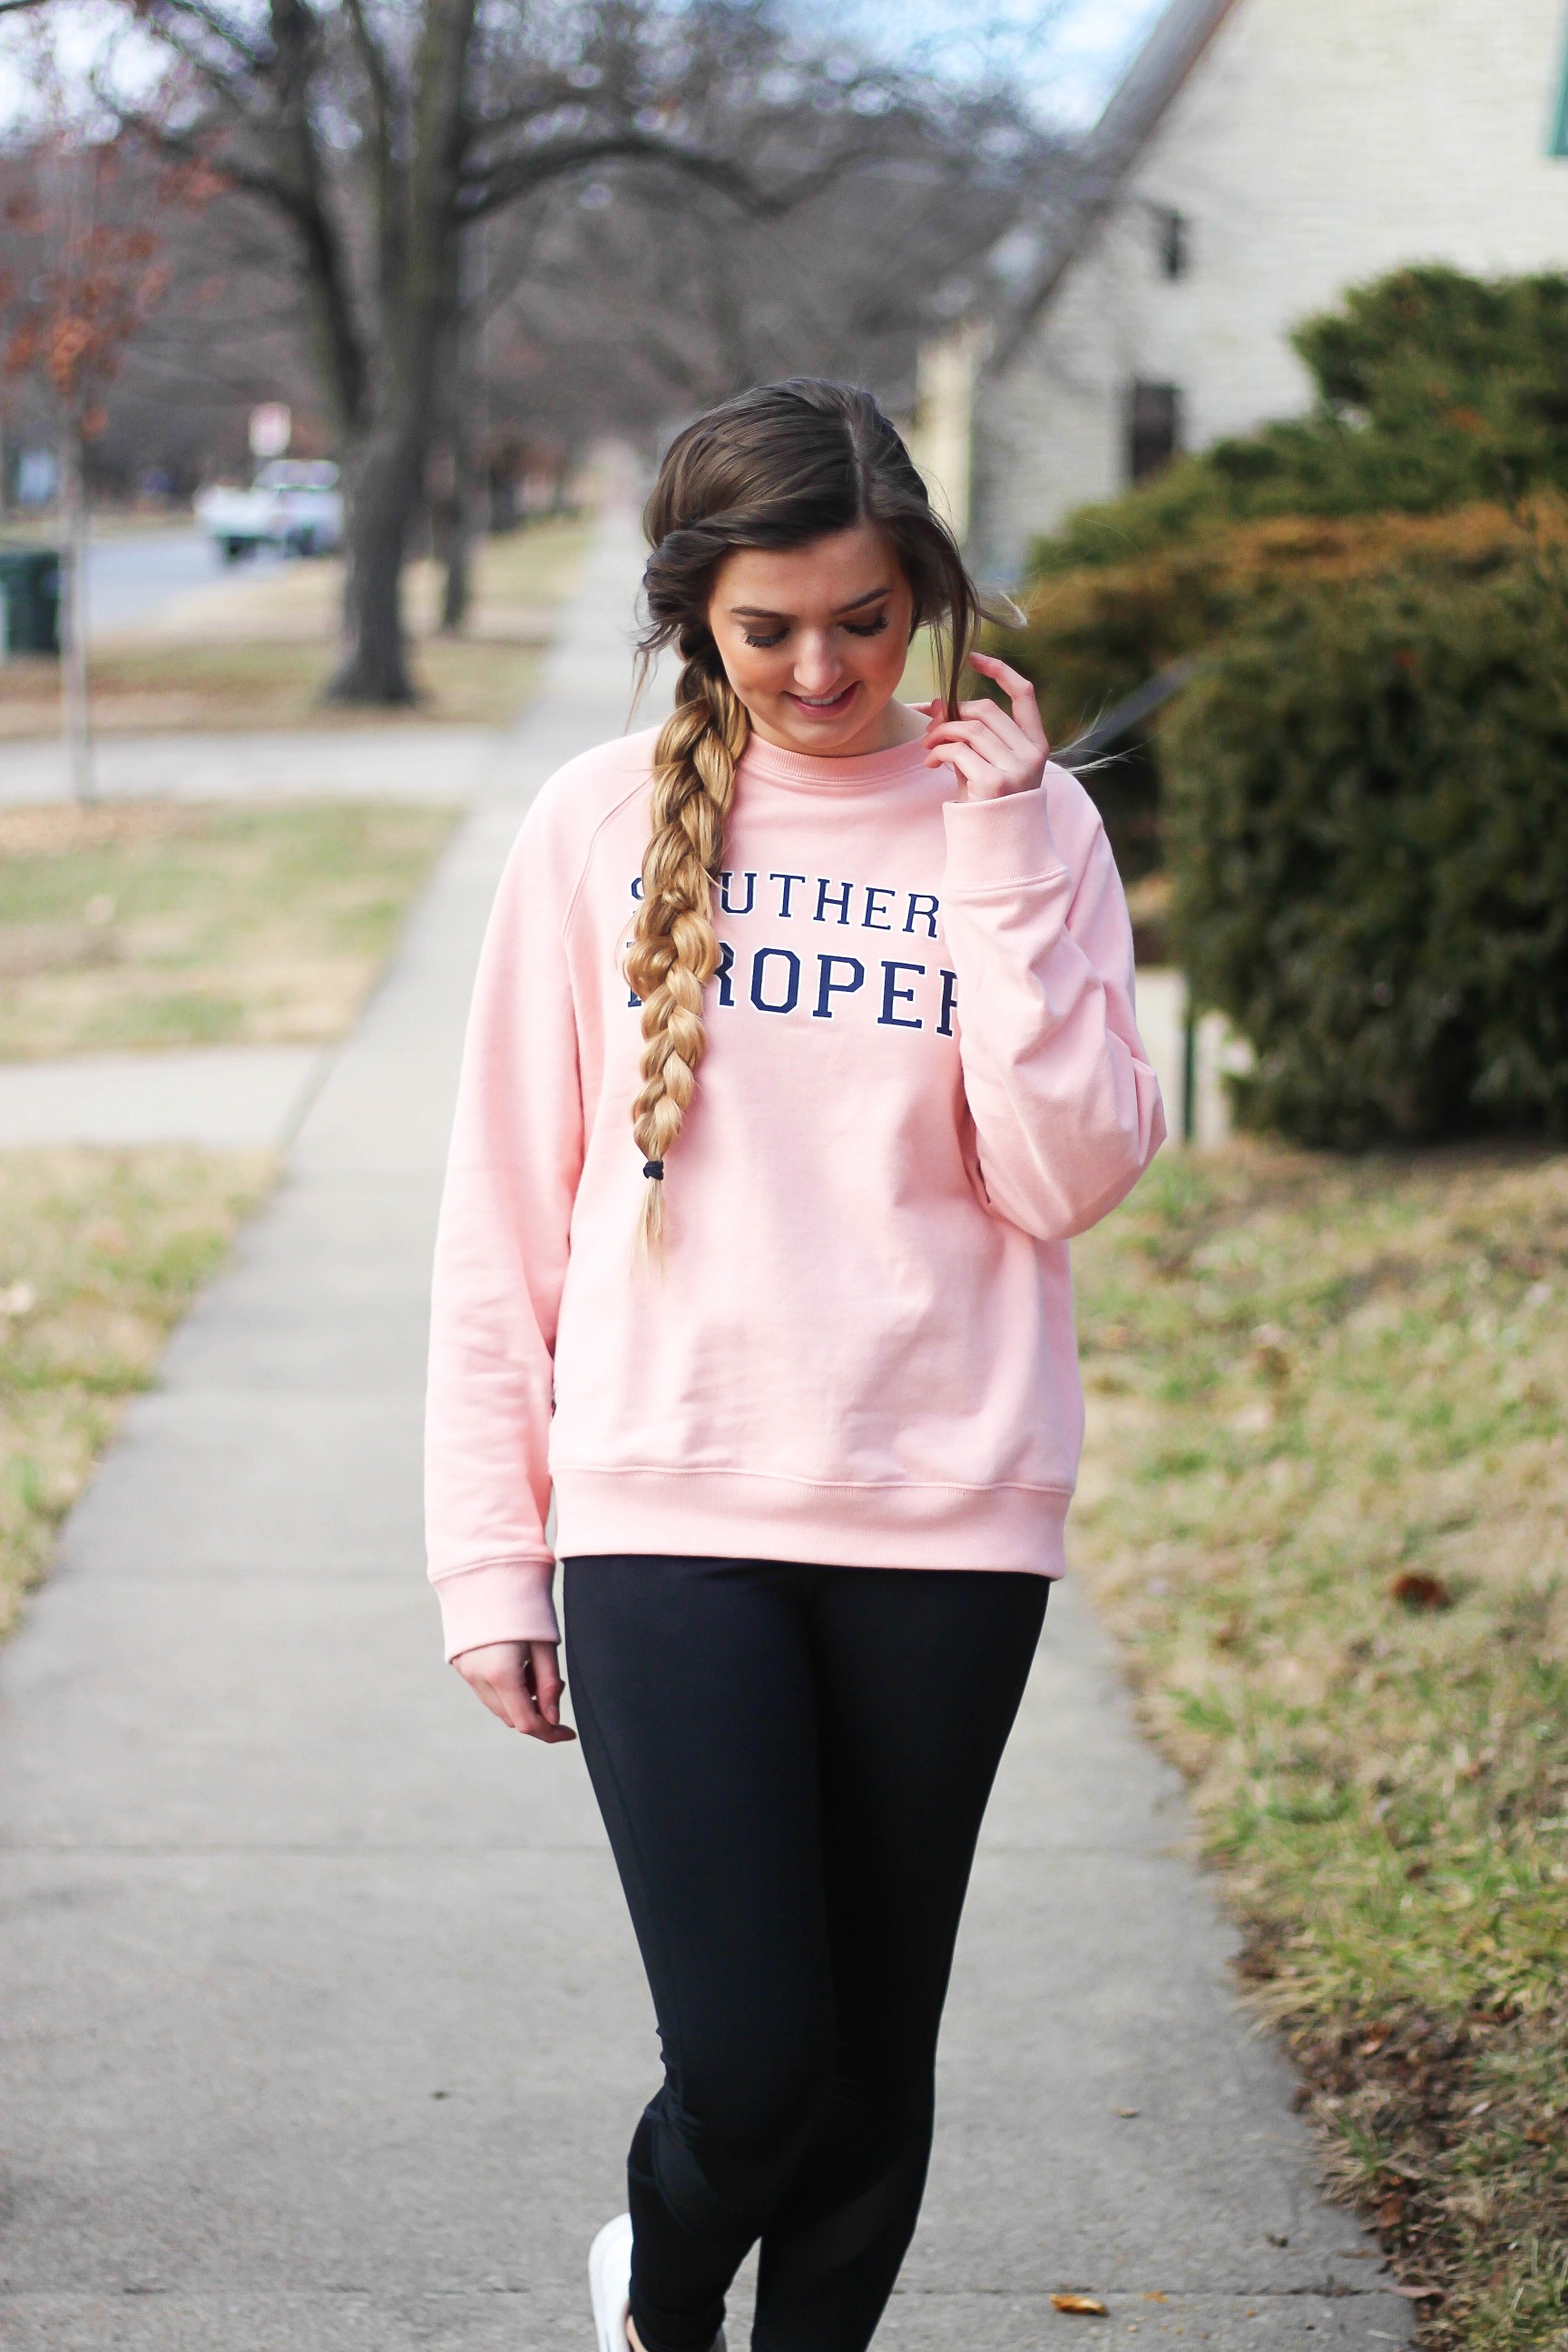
824	706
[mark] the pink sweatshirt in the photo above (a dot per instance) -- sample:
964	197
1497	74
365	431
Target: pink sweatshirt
923	1075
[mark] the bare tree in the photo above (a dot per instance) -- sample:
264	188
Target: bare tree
379	136
85	272
619	306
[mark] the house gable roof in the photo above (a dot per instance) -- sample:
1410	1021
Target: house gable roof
1175	43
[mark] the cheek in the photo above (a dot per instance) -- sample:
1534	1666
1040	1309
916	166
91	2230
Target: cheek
884	657
750	668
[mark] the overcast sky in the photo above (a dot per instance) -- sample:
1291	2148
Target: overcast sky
1068	52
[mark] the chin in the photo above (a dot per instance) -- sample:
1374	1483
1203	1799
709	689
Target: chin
832	729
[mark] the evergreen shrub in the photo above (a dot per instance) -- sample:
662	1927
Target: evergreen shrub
1366	814
1431	390
1091	636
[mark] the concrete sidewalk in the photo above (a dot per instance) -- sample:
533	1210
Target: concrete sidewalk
404	759
224	1096
322	2021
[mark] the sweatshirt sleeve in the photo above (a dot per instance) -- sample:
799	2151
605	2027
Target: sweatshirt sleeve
1066	1105
500	1262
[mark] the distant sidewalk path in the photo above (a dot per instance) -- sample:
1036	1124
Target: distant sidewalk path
226	1097
407	759
323	2026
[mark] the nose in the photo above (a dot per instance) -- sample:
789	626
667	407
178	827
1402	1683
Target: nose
818	668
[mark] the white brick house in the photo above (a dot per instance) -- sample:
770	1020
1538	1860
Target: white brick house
1258	157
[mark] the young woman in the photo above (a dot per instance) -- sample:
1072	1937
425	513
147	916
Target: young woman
790	1342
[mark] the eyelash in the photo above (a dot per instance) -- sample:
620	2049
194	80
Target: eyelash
868	629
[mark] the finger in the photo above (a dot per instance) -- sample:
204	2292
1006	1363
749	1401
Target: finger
1019	691
524	1715
543	1686
994	727
545	1674
491	1698
972	765
513	1700
970	710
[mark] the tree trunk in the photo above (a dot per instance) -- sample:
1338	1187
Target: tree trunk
460	515
418	237
383	495
73	612
456	587
467	431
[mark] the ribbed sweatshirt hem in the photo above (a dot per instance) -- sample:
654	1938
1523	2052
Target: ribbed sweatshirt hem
754	1515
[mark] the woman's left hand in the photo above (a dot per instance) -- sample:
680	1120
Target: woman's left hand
994	751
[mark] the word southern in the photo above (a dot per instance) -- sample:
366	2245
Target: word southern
778	979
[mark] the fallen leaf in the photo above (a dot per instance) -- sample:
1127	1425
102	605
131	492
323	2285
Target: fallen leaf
1087	2306
1415	1589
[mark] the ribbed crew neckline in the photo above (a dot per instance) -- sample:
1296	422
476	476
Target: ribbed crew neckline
774	765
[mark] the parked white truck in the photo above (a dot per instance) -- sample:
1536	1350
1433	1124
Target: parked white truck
294	504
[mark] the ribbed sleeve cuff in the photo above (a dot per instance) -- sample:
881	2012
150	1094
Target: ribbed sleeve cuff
995	845
501	1601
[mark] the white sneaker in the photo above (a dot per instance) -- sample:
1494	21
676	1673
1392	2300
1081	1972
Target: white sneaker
609	2282
609	2285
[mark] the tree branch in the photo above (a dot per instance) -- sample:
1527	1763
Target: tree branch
160	14
487	191
372	57
385	158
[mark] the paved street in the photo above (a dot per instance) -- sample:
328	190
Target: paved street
132	575
320	2022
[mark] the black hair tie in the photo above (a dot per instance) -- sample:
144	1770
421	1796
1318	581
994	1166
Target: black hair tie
654	1168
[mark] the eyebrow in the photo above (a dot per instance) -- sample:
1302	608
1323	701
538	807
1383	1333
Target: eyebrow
764	613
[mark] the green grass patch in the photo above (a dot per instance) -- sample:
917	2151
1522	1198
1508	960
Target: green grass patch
101	1255
1325	1504
162	924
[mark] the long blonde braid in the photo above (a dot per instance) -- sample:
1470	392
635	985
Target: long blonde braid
674	950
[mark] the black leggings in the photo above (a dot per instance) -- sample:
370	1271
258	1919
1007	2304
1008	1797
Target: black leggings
792	1763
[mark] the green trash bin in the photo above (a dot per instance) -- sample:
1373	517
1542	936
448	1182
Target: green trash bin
29	599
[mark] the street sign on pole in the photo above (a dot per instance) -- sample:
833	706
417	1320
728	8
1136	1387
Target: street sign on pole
272	428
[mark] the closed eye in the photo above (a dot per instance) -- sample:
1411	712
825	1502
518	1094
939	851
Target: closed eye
867	628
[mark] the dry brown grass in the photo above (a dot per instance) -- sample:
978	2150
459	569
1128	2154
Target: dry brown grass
158	923
256	651
100	1253
1326	1507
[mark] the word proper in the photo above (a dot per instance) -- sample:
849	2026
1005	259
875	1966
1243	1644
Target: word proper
778	979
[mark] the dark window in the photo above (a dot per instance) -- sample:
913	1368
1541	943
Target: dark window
1153	428
1172	242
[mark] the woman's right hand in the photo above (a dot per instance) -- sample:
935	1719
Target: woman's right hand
521	1683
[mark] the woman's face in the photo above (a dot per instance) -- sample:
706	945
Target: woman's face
814	641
